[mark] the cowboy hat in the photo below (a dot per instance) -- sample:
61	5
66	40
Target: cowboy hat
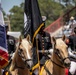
72	18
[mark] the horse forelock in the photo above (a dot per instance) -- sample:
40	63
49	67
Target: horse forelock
27	46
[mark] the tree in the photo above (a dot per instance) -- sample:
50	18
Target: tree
74	2
70	8
17	18
52	10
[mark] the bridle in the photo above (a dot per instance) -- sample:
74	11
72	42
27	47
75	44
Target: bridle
61	60
60	57
23	57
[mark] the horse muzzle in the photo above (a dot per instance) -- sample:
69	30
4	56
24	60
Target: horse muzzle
29	63
67	63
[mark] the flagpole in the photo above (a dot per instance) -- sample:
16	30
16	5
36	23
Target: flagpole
38	54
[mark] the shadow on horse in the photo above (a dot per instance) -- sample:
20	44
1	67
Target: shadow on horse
22	60
59	60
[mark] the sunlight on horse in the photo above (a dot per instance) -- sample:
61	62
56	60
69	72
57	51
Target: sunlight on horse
59	60
22	60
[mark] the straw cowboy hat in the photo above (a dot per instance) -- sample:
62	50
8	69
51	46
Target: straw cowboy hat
72	18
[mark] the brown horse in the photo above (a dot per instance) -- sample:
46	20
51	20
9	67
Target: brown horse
22	60
59	60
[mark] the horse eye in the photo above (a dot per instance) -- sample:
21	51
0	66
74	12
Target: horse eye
21	50
57	50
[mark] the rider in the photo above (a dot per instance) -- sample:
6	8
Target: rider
72	40
72	21
44	43
72	50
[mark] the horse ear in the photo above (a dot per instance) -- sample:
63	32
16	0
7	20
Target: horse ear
63	37
28	37
20	38
53	40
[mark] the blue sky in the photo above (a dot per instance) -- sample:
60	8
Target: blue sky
8	4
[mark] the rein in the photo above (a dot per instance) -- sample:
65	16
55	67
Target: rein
57	64
25	60
23	67
20	67
19	53
62	60
60	57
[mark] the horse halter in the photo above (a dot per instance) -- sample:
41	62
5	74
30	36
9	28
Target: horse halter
23	57
59	56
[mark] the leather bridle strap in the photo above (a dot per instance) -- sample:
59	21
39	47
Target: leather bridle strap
59	55
64	59
57	64
24	60
28	60
20	67
19	53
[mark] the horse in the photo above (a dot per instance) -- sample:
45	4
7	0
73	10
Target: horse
59	60
22	60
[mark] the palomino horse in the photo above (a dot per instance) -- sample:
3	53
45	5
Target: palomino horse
22	60
59	60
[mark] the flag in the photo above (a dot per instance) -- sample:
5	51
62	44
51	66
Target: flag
3	45
33	21
53	27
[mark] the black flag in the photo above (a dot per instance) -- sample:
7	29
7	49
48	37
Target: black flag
33	20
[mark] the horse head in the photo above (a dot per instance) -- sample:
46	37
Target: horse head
61	50
25	51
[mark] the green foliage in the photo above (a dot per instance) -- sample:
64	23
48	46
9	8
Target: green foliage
49	8
17	18
52	10
70	8
4	15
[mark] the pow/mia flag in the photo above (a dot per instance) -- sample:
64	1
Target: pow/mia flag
33	20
